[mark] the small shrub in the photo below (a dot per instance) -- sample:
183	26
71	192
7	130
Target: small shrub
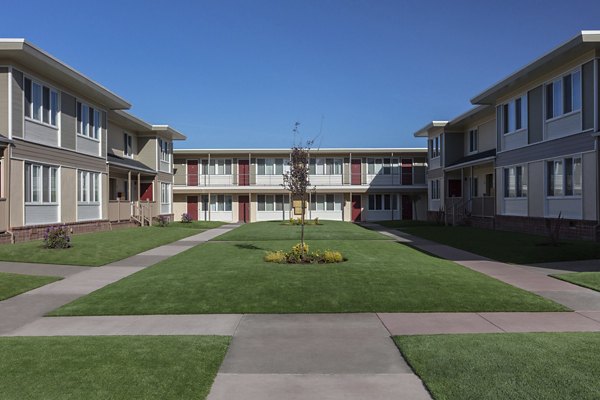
298	221
292	221
297	249
316	221
295	256
276	256
57	237
186	218
162	221
331	256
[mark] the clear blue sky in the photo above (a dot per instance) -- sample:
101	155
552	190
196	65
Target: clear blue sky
240	73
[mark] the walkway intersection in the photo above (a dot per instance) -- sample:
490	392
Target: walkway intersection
300	356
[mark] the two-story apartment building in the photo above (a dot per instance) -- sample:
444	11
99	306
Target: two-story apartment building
347	184
54	141
544	153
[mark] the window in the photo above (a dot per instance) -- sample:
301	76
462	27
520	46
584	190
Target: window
220	202
473	140
564	177
434	147
514	115
325	166
435	189
41	102
127	145
515	182
165	154
165	193
219	167
277	202
89	187
41	184
89	121
382	202
563	95
269	166
326	202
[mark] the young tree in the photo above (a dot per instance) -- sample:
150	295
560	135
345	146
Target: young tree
296	180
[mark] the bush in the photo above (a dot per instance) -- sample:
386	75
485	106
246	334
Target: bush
317	221
297	249
295	256
162	221
57	237
186	218
276	256
331	256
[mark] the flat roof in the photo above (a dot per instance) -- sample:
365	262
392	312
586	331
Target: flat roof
37	59
321	150
130	121
581	43
424	131
471	115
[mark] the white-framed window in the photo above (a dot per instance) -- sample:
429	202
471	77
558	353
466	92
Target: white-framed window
127	145
325	166
165	150
564	177
435	189
41	184
326	202
434	147
89	121
88	187
165	193
276	202
515	181
382	202
220	202
382	166
219	166
269	166
41	102
563	95
473	140
514	115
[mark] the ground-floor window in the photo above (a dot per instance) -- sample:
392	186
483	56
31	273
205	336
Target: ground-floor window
88	187
379	202
564	177
278	202
41	184
220	202
165	193
435	189
326	202
515	181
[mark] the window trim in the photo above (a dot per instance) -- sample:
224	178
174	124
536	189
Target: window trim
506	190
505	121
52	90
127	145
476	135
93	187
40	179
274	165
560	78
78	102
564	177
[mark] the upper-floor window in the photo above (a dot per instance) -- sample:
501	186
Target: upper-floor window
41	184
382	166
127	145
41	102
434	147
164	148
220	166
514	115
564	177
473	140
325	166
515	182
88	187
563	95
269	166
89	121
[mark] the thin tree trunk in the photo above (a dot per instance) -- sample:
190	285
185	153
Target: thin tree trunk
302	227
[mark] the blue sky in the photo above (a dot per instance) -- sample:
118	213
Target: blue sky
240	73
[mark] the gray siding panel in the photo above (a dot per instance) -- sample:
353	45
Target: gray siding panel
535	103
68	120
44	154
498	128
17	103
588	95
454	147
4	101
578	143
435	173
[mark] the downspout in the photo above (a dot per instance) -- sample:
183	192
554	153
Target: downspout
8	197
597	227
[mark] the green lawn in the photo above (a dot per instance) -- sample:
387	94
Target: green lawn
512	247
98	248
231	277
14	284
586	279
109	367
196	224
506	366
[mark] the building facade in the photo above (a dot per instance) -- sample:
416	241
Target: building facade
346	185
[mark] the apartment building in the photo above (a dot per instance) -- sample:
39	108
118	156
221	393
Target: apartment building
57	148
544	156
346	185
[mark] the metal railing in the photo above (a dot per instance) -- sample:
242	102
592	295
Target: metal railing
458	209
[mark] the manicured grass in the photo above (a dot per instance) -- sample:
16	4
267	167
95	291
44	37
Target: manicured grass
518	248
196	224
231	277
589	280
110	367
506	366
14	284
277	230
98	248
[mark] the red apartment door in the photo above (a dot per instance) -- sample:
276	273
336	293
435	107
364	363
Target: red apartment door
407	171
407	209
355	172
147	192
192	173
244	208
192	207
356	208
243	172
454	188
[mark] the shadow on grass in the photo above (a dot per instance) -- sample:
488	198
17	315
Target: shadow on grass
248	246
420	250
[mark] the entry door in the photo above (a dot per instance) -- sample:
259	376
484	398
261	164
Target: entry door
147	192
243	173
244	208
407	210
192	172
454	188
356	208
192	207
355	172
